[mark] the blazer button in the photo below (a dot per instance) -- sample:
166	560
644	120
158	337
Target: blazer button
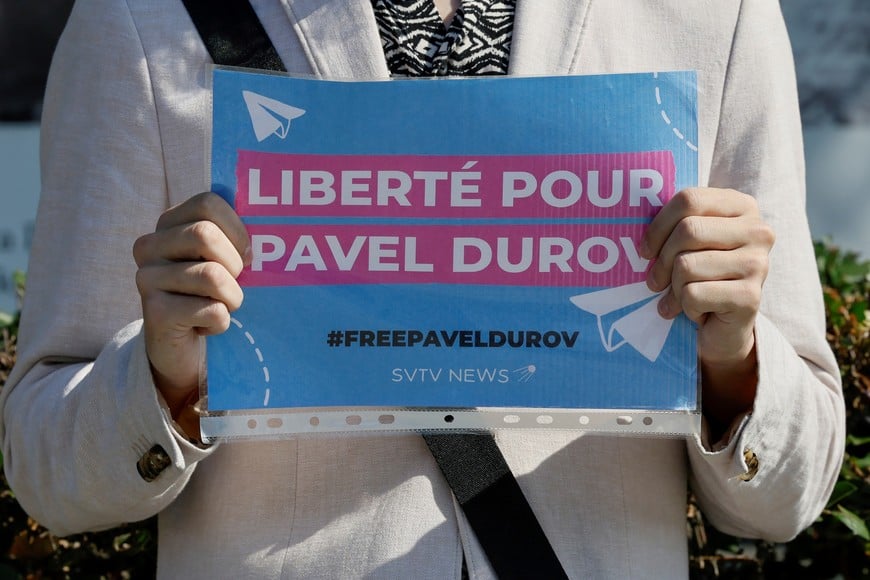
751	460
152	463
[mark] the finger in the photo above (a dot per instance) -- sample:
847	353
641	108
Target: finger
186	313
742	264
694	234
694	202
197	241
200	279
731	301
173	317
669	306
173	326
746	265
211	207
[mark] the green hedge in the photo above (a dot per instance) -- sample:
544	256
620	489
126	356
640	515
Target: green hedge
836	545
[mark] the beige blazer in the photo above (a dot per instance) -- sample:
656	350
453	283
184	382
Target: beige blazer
124	131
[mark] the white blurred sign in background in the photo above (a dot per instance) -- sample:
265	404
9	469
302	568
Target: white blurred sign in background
19	195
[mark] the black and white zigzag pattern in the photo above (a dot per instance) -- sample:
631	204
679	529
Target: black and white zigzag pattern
416	42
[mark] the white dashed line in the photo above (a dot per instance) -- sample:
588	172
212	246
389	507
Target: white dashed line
667	119
259	354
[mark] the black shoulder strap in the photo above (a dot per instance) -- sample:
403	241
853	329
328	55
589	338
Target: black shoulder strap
495	506
233	34
473	465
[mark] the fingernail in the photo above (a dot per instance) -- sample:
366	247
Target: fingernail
651	281
248	256
664	307
645	251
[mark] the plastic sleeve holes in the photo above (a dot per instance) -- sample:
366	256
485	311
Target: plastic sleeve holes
624	420
647	421
353	420
314	421
387	419
544	419
275	423
448	418
511	419
252	423
584	420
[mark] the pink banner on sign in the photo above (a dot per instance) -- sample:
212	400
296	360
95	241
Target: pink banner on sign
587	255
617	185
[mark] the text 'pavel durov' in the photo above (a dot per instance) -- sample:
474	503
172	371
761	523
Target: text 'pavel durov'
508	220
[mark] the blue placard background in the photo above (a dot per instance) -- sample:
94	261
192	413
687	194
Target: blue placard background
276	354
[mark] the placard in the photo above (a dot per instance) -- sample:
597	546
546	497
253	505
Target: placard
450	254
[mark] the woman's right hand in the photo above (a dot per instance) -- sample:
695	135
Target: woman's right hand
187	282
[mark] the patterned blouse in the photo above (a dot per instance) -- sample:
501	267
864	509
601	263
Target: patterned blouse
416	42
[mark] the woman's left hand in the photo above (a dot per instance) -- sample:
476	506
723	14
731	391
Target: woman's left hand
711	246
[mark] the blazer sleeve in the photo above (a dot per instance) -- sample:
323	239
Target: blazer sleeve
80	408
796	428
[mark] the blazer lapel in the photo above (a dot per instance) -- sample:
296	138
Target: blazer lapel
547	36
340	37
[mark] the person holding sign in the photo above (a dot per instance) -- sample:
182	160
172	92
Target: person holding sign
98	426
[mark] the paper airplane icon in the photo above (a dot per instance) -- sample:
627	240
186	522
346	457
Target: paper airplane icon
639	325
268	116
